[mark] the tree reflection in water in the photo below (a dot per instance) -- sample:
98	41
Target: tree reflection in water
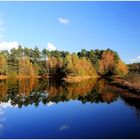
33	91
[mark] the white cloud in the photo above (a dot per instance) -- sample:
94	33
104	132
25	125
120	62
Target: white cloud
64	127
4	45
51	47
50	103
8	45
135	60
63	20
5	105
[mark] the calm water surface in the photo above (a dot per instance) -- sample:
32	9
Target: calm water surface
90	109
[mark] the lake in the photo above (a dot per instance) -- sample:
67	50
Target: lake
45	109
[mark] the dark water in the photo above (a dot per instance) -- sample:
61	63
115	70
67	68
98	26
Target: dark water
90	109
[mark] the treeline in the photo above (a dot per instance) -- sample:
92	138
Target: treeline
27	62
135	67
86	63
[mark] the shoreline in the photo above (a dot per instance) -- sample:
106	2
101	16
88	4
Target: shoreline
71	79
3	77
26	77
133	87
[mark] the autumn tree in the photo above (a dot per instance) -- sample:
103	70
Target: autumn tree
120	68
26	68
57	67
79	66
3	65
106	64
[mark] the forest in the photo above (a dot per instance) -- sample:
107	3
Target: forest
26	62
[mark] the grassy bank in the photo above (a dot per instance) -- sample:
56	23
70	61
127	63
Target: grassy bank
26	77
133	87
71	79
3	77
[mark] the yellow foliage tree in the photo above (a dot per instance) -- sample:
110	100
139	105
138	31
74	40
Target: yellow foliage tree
26	68
79	66
121	69
3	65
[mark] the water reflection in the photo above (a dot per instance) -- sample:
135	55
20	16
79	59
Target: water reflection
33	91
88	109
64	127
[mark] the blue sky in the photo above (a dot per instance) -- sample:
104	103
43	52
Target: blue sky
72	26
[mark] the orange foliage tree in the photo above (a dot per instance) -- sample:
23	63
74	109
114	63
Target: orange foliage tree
106	64
110	65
